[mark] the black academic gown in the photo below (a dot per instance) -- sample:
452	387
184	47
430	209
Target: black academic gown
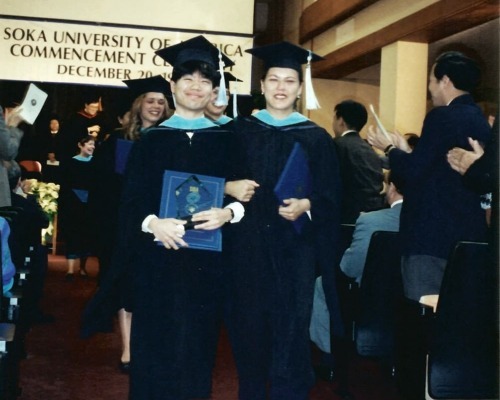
178	294
104	200
74	216
273	267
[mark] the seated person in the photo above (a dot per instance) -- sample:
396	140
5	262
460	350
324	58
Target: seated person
27	233
8	268
387	219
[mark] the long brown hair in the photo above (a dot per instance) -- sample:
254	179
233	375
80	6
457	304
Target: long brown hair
133	128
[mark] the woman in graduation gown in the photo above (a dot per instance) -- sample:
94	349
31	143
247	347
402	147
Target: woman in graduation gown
178	291
273	269
75	224
148	108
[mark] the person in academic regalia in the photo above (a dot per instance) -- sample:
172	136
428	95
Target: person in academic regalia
216	108
48	147
273	269
145	108
75	218
178	291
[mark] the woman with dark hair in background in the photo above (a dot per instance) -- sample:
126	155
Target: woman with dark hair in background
75	219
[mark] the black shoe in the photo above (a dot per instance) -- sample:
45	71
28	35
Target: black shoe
83	274
69	277
42	318
124	367
324	373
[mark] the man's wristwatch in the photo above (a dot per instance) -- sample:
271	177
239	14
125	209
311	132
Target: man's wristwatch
388	149
232	214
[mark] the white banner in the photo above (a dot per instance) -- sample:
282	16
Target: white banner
100	55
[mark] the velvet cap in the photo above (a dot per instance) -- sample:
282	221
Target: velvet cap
283	55
194	49
156	84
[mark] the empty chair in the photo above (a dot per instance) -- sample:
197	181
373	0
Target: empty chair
380	296
347	288
463	349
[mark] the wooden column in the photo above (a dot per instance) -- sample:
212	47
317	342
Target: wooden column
403	86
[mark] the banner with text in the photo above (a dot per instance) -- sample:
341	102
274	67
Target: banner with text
100	55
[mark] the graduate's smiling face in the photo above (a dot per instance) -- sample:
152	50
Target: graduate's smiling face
212	111
153	108
281	88
192	93
87	148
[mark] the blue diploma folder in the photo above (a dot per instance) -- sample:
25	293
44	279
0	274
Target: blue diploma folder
122	151
83	195
295	181
185	194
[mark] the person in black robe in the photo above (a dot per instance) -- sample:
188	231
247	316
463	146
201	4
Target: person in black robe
274	265
48	147
74	216
148	108
178	291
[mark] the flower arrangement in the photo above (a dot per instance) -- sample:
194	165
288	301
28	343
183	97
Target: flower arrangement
46	194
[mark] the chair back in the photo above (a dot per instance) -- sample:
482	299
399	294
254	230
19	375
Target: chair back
347	288
463	349
33	168
380	296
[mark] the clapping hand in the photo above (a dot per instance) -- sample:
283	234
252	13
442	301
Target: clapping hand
242	190
460	159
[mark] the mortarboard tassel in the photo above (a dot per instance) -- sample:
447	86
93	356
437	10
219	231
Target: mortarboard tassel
222	96
311	100
235	102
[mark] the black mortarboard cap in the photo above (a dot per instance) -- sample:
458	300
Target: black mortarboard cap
283	55
122	103
288	55
194	49
90	96
156	84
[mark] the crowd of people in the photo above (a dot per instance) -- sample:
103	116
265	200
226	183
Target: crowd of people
172	299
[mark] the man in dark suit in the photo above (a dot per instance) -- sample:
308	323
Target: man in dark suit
439	209
360	167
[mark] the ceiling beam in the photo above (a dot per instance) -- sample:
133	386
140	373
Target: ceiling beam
428	25
323	14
